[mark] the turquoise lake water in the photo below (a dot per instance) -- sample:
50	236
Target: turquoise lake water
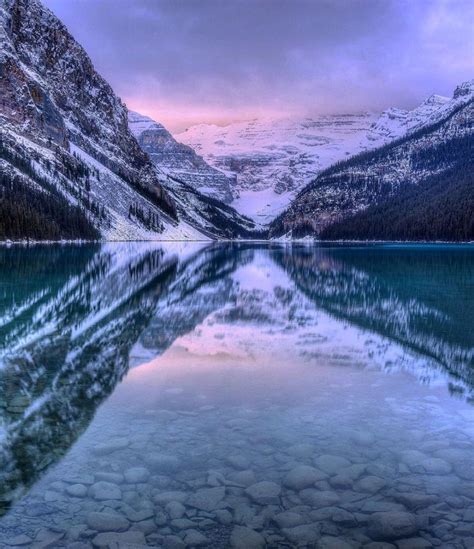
237	395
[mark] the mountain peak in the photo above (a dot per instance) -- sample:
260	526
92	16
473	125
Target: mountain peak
436	100
464	89
138	123
177	160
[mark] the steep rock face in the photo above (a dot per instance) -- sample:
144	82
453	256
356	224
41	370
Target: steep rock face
68	133
440	143
178	160
199	191
274	159
60	90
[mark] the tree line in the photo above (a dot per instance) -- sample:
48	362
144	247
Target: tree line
439	208
39	212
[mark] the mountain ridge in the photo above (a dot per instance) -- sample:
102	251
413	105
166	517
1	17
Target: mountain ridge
182	173
274	160
372	178
179	160
67	149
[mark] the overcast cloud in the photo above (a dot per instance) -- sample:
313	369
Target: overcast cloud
191	61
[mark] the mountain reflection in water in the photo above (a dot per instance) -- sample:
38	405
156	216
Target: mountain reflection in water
71	315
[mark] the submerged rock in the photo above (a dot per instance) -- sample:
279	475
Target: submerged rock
103	490
436	466
162	463
77	490
207	499
21	539
371	484
303	476
392	525
306	534
162	498
288	519
173	542
331	464
413	543
123	539
114	478
331	542
246	538
264	493
362	438
111	446
136	475
175	509
238	461
319	498
194	538
245	478
107	522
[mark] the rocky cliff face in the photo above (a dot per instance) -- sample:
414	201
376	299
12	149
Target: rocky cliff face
437	144
65	134
50	86
199	191
178	160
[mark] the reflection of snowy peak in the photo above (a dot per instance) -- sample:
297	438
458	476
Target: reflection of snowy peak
273	159
178	160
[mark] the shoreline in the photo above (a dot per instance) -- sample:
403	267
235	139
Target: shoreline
80	242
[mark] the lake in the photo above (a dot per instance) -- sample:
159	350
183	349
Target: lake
237	395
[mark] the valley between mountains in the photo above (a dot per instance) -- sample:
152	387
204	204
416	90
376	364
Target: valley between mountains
75	163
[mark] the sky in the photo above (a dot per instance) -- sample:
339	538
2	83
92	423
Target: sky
185	62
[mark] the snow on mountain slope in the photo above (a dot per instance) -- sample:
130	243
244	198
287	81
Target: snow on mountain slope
441	144
209	216
199	191
65	134
54	104
178	160
274	159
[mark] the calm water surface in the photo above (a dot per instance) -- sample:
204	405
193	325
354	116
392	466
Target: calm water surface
237	395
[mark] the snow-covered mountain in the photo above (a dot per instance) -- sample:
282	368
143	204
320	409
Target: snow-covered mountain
437	150
65	133
200	192
70	167
178	160
274	159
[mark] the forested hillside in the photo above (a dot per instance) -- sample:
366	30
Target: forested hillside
412	177
32	208
440	208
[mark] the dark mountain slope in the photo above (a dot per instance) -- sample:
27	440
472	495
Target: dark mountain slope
39	212
423	157
209	215
439	208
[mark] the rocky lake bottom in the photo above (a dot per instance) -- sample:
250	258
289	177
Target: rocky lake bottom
274	427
